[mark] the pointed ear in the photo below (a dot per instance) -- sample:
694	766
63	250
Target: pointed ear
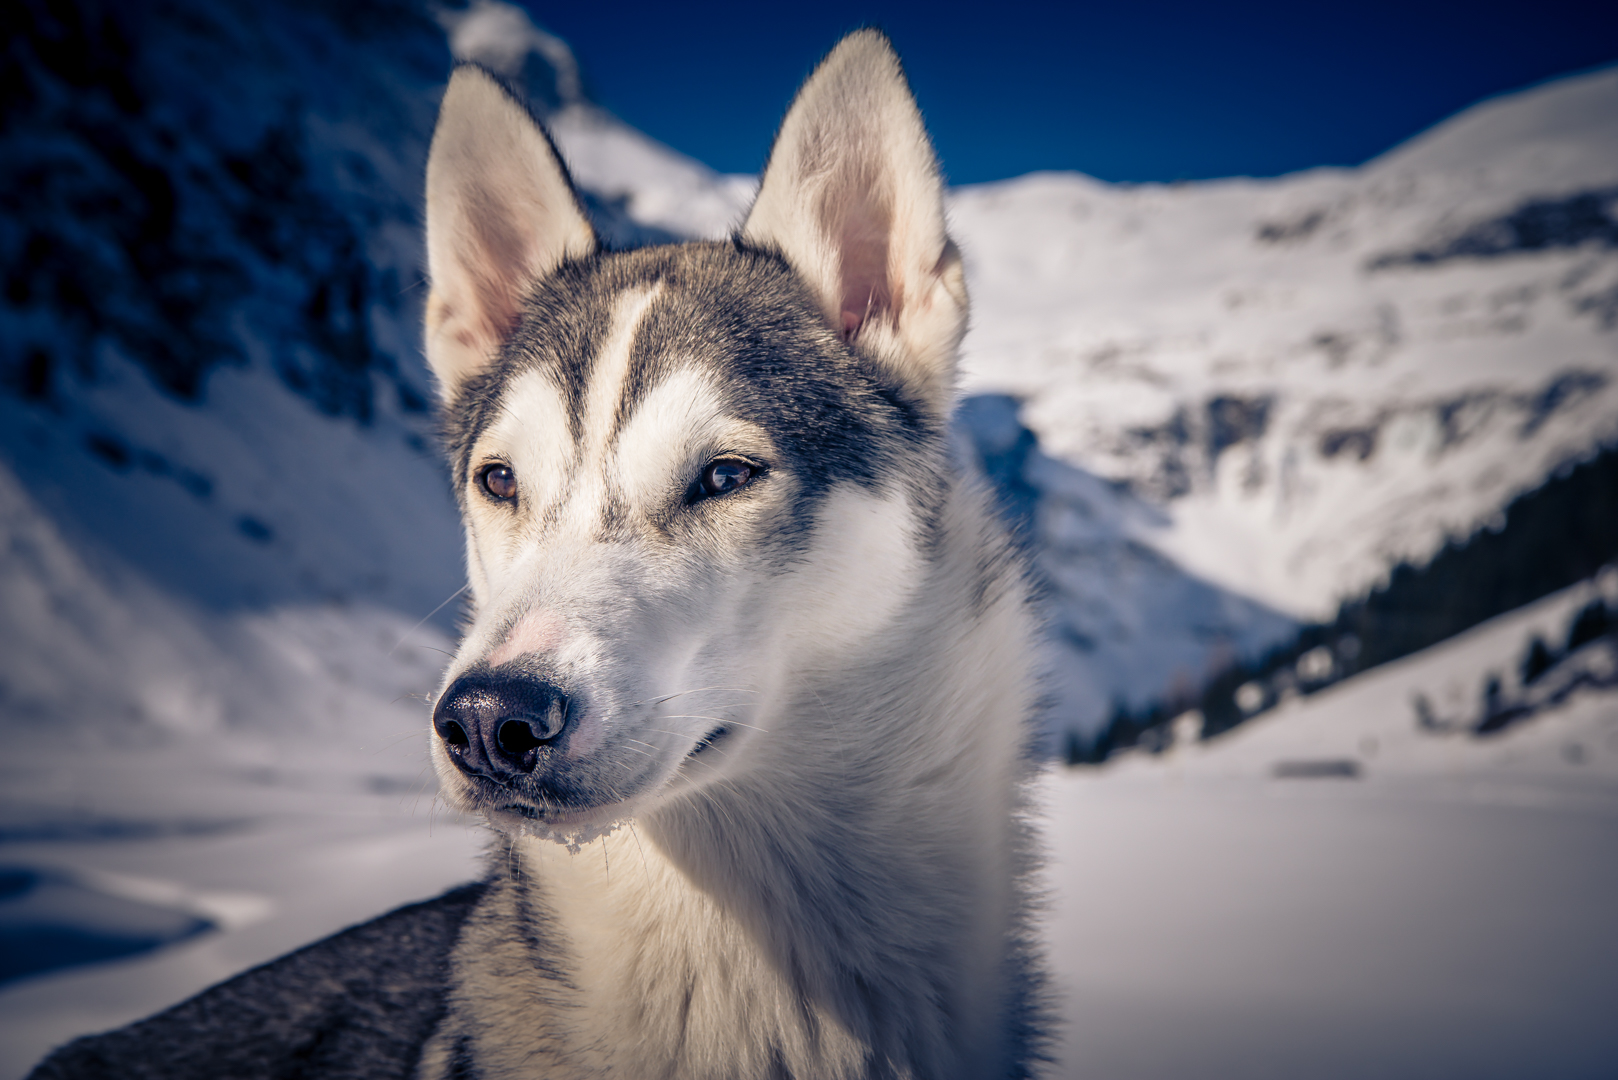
501	213
852	198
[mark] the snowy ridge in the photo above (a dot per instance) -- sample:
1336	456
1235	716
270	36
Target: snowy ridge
1307	373
1130	628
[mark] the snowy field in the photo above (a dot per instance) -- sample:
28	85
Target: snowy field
1446	912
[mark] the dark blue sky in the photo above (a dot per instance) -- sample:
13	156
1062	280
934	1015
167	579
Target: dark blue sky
1123	91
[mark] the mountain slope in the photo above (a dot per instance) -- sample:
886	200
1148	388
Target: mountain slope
208	336
1320	375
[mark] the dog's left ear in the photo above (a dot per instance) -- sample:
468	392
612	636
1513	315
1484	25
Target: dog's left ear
501	214
853	199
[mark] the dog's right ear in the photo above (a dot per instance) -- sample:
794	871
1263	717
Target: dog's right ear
853	199
501	214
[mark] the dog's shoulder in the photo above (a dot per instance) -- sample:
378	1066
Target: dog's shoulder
357	1004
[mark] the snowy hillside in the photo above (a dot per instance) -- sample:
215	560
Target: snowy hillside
222	512
1251	397
1319	375
208	339
1129	627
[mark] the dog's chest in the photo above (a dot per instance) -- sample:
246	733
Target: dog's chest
585	969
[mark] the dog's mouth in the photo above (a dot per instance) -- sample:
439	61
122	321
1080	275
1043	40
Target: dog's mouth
565	815
573	825
536	803
709	740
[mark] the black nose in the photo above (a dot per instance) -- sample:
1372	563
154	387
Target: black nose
495	725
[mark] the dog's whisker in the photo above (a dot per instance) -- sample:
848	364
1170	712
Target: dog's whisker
715	719
698	690
436	649
427	616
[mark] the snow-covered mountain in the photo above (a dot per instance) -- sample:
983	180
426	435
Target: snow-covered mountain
1319	375
209	331
222	511
1251	398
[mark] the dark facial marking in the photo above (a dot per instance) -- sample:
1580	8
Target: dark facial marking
832	415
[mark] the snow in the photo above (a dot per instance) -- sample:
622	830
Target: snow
1445	913
1238	932
177	508
1128	624
213	676
263	770
655	185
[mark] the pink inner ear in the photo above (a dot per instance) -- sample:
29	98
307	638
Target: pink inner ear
500	266
859	231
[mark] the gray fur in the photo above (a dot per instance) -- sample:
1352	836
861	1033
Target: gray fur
358	1004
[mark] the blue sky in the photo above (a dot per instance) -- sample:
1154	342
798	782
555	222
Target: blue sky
1142	91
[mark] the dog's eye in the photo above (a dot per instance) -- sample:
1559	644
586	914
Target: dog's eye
724	476
499	481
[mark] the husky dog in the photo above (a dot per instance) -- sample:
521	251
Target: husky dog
748	677
749	672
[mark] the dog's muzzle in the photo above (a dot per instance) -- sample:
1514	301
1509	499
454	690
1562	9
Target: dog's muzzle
497	726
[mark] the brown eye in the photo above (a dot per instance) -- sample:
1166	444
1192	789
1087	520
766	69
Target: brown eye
724	476
500	481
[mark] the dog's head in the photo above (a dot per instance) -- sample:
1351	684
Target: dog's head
689	474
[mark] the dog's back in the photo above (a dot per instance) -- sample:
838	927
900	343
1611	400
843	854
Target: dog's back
358	1004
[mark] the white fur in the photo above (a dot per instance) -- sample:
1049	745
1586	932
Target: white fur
890	769
857	579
